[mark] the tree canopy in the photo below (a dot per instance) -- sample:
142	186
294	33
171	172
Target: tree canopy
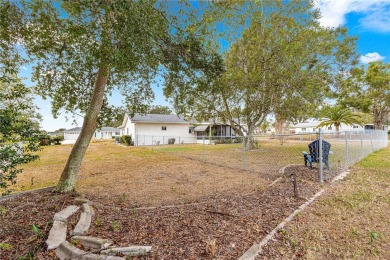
84	50
368	89
283	64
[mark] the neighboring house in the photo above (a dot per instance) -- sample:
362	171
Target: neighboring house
312	127
214	129
151	129
103	133
155	129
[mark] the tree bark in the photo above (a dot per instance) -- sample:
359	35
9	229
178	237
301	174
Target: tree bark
68	178
279	126
378	118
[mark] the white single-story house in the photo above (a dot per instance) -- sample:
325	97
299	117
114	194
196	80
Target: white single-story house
312	127
155	129
103	133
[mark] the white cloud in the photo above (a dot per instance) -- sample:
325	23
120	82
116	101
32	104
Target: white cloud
369	57
375	13
379	20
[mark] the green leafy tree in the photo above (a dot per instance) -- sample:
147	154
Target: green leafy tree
368	89
18	123
83	50
338	115
158	109
111	116
282	64
264	126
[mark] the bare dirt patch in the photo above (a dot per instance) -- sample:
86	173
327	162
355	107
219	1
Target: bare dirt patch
231	222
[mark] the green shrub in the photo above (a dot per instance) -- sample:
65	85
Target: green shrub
238	140
226	140
44	140
126	139
57	139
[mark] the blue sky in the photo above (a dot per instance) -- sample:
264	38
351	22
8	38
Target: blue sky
367	19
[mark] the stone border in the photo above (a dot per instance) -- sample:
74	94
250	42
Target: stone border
14	195
101	248
256	249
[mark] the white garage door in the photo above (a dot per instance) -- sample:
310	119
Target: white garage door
71	136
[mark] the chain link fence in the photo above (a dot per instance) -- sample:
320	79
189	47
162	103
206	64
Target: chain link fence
270	153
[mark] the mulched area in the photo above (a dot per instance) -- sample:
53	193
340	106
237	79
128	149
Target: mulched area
222	228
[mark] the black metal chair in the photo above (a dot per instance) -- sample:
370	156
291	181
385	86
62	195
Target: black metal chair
314	149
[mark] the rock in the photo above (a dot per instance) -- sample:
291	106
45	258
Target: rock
131	250
83	225
67	251
84	221
171	140
88	209
93	242
64	214
57	234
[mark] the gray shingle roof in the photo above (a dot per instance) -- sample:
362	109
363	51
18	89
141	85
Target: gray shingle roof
156	118
103	129
74	129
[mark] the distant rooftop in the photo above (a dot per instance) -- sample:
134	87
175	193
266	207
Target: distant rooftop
103	129
157	118
307	124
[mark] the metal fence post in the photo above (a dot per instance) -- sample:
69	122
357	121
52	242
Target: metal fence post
203	155
320	157
361	146
179	147
243	152
372	144
346	151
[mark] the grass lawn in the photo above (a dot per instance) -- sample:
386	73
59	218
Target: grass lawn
350	221
237	208
140	175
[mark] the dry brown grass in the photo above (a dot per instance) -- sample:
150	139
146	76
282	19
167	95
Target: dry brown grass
351	221
139	175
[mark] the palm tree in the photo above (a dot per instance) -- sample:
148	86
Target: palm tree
338	115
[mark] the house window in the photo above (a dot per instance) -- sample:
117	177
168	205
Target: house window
191	129
355	126
303	129
329	128
117	133
164	128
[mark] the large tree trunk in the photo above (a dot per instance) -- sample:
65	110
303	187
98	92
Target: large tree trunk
249	141
279	126
68	178
378	125
378	119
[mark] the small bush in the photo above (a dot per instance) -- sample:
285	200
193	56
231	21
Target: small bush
57	139
238	140
226	140
126	139
44	140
